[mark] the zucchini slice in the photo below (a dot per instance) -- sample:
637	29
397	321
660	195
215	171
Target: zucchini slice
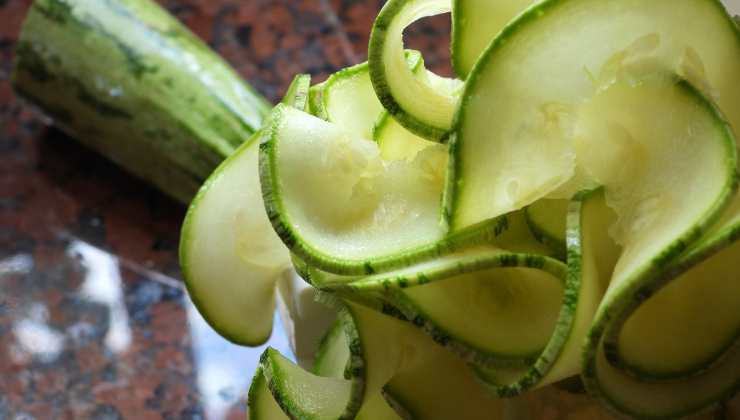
475	24
397	143
474	302
260	403
333	355
231	257
519	238
304	395
315	102
592	255
664	207
546	219
372	215
423	103
297	94
368	210
348	99
501	314
514	124
428	381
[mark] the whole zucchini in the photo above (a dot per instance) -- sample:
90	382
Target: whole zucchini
128	80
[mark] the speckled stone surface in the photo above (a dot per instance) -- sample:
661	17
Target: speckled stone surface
94	322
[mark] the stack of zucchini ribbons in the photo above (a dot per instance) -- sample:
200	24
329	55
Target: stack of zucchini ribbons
566	207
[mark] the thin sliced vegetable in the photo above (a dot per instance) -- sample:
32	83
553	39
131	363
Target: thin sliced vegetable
546	219
420	102
501	314
397	143
474	25
591	257
514	124
307	396
428	381
518	237
231	257
338	206
261	404
298	94
663	207
348	99
333	355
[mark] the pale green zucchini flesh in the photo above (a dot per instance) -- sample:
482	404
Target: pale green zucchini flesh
373	215
546	219
298	94
304	395
513	128
397	143
663	206
260	403
425	379
591	256
473	302
474	25
420	102
495	316
348	99
333	355
519	238
231	258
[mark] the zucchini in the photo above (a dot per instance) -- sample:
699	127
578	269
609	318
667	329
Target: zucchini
298	94
475	24
333	390
658	222
428	381
474	302
591	257
512	131
304	395
397	143
482	315
348	99
304	320
333	355
520	239
230	256
260	403
422	102
373	215
129	81
546	219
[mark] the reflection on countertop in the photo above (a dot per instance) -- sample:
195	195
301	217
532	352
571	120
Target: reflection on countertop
80	342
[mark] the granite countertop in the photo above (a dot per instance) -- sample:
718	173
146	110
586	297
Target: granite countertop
94	320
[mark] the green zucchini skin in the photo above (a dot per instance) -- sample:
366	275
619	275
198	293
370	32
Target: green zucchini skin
128	80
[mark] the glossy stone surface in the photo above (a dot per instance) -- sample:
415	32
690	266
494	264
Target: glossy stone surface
94	321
